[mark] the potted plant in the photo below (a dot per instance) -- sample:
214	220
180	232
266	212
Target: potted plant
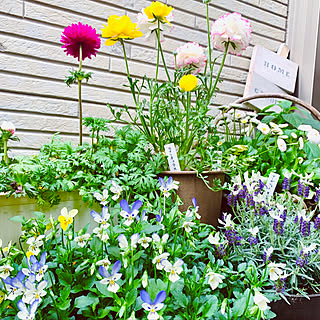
177	109
281	235
156	263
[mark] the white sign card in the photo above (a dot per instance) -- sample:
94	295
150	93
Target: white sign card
274	68
171	152
257	84
271	184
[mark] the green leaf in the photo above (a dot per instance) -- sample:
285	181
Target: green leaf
103	289
84	301
242	266
180	298
210	307
131	297
152	229
96	244
114	251
293	118
239	307
312	150
20	219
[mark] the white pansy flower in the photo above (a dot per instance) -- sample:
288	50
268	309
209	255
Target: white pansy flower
294	135
187	226
35	244
157	260
82	240
275	270
254	230
34	292
144	241
104	262
173	269
214	239
101	233
227	220
116	189
214	279
5	271
102	198
261	301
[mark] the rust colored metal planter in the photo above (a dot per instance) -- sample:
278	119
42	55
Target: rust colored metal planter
209	202
300	308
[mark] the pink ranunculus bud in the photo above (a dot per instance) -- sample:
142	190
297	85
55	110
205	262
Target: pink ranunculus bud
191	54
8	126
232	28
80	34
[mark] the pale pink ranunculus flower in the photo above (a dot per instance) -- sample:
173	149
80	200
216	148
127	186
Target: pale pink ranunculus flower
149	26
231	27
191	54
8	126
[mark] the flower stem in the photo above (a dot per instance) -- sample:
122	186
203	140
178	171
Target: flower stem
79	97
163	60
125	57
5	147
211	91
158	51
209	47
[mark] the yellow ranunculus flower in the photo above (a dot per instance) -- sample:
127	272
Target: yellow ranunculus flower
158	10
120	28
66	217
188	82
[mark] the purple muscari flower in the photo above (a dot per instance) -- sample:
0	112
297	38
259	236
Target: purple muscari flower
300	188
303	259
261	185
317	222
229	199
305	227
232	237
316	197
265	256
296	219
286	184
103	218
27	313
280	285
153	306
253	240
263	211
306	191
219	251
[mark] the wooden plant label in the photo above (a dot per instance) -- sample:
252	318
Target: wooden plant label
171	152
271	184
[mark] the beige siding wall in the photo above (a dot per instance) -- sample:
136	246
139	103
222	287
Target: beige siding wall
33	94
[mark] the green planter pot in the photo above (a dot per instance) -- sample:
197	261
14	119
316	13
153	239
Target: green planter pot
209	202
10	207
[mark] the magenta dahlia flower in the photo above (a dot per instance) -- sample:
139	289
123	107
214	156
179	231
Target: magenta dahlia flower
80	34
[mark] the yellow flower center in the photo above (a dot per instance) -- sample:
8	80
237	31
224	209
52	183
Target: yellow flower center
112	282
172	272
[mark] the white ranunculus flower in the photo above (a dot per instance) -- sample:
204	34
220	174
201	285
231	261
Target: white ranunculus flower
231	27
191	54
282	145
301	143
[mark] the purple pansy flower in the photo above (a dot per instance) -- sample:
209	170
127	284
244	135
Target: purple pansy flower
153	306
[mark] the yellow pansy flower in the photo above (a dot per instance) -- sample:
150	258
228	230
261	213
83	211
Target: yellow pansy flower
120	28
159	11
66	217
188	82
